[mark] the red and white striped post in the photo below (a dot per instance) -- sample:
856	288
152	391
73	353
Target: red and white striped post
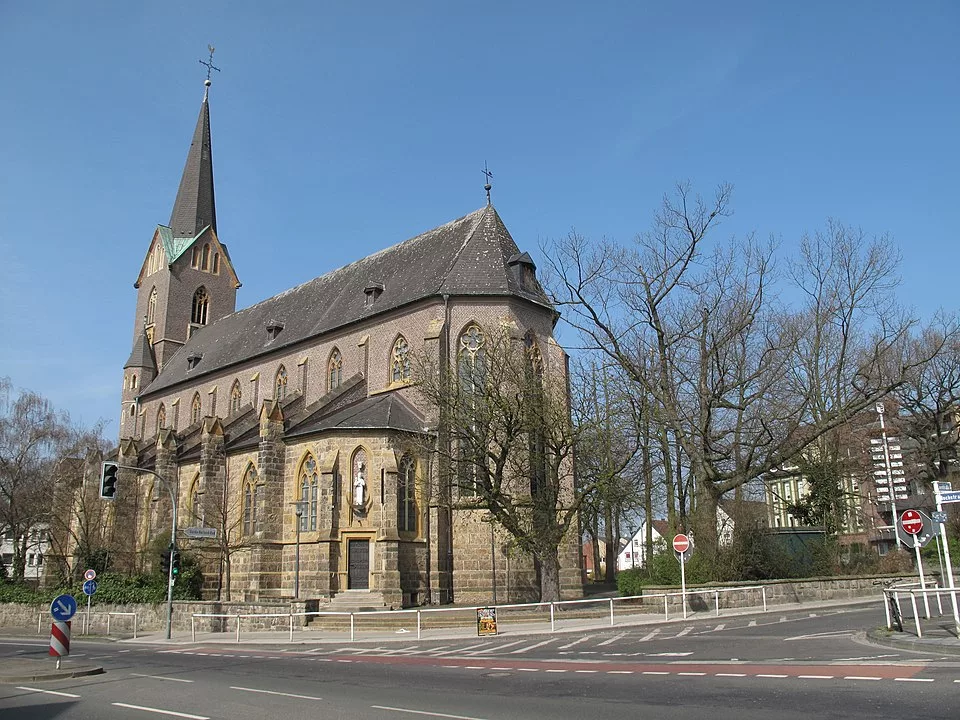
59	640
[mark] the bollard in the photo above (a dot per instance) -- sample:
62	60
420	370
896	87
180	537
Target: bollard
238	628
552	625
611	612
351	627
916	615
418	624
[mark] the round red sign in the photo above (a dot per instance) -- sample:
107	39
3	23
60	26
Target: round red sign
681	543
911	522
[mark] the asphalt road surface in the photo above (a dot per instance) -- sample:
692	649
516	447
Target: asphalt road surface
770	667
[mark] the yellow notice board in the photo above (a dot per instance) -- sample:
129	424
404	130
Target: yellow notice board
487	621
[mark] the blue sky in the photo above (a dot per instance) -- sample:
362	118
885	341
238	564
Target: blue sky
342	128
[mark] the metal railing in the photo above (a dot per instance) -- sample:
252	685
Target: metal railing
87	621
551	608
894	610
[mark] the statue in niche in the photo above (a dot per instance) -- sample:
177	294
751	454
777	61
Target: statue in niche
360	487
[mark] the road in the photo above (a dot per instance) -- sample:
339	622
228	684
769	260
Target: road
783	666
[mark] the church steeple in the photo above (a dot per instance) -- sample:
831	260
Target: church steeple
194	207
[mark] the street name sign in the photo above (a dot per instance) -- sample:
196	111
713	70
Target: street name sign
950	497
200	532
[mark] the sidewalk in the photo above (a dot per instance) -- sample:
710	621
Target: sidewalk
938	635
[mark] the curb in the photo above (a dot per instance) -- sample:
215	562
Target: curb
888	639
62	674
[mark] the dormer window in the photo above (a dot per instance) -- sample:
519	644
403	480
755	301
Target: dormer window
373	290
524	270
273	329
193	360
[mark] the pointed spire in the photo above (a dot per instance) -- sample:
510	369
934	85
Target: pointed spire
194	207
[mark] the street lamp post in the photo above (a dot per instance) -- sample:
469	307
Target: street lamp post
296	558
886	465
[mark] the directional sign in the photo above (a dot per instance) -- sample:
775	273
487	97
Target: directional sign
939	517
681	542
911	522
63	607
950	497
200	532
89	587
89	574
941	486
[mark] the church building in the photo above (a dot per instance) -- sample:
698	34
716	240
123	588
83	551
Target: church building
293	429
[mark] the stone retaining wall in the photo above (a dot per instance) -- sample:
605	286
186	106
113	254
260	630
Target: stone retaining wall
152	618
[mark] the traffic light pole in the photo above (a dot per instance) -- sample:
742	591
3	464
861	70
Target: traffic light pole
173	539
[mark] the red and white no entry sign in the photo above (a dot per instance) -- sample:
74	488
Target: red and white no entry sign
681	543
911	522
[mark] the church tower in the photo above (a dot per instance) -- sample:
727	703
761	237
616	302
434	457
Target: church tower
186	280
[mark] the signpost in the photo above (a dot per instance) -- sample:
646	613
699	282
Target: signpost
90	574
89	588
912	522
62	609
682	548
939	490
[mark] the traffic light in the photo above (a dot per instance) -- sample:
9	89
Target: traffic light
165	561
108	480
176	564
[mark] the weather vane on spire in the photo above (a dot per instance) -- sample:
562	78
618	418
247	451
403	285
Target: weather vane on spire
489	176
209	65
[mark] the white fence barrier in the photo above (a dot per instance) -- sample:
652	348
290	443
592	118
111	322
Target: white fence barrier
537	608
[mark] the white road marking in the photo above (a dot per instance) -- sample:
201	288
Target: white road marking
863	657
462	650
500	668
913	679
531	647
424	712
274	692
611	640
22	644
684	631
654	672
861	677
669	654
649	636
813	636
47	692
815	677
587	671
771	675
475	667
161	677
619	672
719	627
555	671
575	642
752	623
529	669
493	650
692	674
731	674
162	712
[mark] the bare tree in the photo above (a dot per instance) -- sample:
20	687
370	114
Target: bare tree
31	434
508	442
742	382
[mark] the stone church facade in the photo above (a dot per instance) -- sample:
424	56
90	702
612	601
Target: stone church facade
293	428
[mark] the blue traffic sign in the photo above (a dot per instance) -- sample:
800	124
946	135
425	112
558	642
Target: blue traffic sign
949	497
63	608
89	587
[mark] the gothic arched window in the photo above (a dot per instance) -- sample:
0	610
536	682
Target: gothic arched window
251	497
201	301
161	417
196	409
280	384
407	495
471	361
152	307
216	262
400	361
334	370
309	493
236	397
205	257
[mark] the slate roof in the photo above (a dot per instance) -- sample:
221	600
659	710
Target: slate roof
194	209
468	256
141	356
380	412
